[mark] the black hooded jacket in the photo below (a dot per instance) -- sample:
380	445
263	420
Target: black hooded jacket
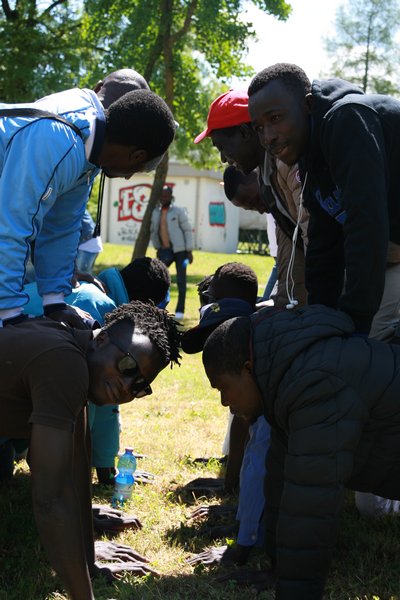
353	196
333	403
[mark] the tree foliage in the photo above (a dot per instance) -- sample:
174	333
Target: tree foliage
186	49
41	48
364	47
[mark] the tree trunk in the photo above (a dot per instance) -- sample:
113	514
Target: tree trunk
143	237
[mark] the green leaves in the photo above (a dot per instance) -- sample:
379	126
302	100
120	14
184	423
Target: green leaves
188	49
40	49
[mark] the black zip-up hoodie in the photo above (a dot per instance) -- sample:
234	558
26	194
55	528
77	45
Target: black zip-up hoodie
353	196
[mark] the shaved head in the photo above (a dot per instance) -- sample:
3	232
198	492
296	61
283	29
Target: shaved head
118	83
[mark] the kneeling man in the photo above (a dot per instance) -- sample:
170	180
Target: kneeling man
48	372
332	400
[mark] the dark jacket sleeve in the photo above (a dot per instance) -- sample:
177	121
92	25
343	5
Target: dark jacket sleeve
323	418
353	146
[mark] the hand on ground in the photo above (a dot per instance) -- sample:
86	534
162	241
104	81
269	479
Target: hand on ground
110	551
214	511
124	560
202	460
138	455
210	556
112	520
114	570
144	477
206	486
221	555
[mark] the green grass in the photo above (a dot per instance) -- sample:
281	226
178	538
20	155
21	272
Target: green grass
184	418
204	263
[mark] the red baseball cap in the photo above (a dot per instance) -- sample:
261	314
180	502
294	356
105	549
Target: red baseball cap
228	110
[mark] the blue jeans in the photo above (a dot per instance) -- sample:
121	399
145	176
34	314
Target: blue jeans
179	257
167	257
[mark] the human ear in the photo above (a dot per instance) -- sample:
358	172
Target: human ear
309	102
101	338
98	86
138	156
248	367
246	131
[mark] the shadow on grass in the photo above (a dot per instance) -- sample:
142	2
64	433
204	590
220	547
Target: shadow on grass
199	585
365	564
193	534
23	565
201	488
102	492
25	572
183	494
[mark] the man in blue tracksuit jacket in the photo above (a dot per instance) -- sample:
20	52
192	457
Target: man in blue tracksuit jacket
43	191
46	170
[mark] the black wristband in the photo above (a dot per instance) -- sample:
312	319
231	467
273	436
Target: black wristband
15	320
50	308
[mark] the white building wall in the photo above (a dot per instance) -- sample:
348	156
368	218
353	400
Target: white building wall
216	237
251	219
215	221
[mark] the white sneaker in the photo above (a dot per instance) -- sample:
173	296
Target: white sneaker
179	316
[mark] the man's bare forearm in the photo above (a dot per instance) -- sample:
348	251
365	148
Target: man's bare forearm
57	509
82	473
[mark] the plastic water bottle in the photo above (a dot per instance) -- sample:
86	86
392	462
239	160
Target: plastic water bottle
124	481
185	263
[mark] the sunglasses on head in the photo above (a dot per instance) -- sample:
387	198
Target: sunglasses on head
128	367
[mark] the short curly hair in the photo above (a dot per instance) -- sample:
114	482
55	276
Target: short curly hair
146	279
143	119
292	76
235	280
160	327
232	179
227	347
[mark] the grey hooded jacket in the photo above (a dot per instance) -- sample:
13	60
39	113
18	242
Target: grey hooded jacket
179	229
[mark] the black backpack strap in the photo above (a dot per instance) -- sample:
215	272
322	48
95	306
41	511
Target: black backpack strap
37	114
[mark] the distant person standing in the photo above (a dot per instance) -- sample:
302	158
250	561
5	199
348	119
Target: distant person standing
172	237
